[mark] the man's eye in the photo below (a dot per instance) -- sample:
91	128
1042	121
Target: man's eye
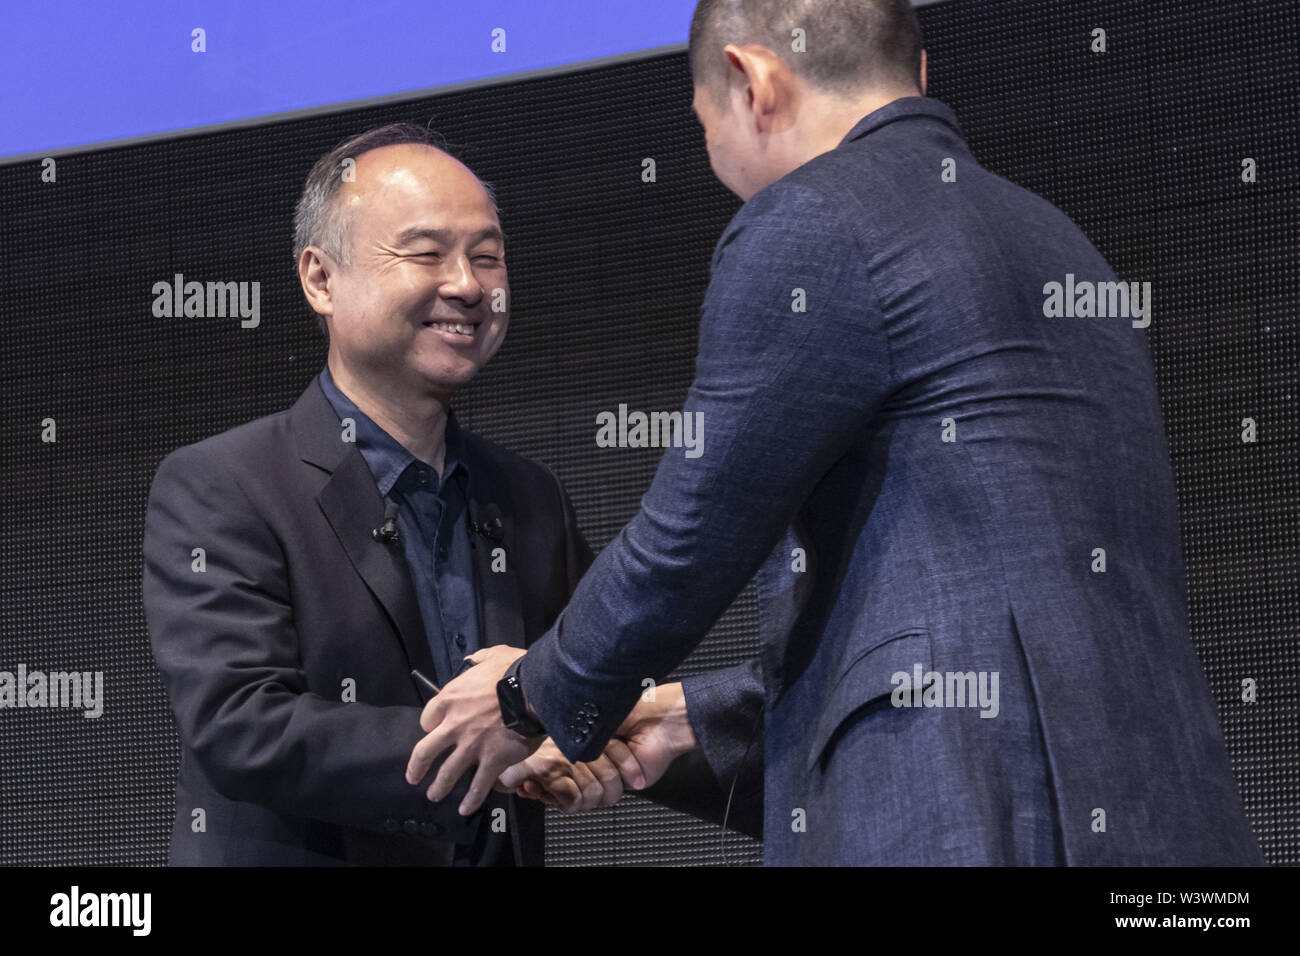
487	259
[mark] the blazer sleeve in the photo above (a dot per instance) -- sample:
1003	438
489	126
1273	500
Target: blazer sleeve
221	626
788	373
723	707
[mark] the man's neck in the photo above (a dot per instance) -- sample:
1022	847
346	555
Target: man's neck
837	116
417	421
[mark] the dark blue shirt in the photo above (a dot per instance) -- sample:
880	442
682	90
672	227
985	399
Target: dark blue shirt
431	524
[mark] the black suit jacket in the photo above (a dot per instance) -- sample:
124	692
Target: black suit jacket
290	607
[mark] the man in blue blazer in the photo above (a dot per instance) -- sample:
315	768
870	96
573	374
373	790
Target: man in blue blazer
955	494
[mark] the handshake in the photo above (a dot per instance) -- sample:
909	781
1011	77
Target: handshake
465	717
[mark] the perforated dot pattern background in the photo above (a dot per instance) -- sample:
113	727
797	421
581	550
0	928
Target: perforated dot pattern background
1142	146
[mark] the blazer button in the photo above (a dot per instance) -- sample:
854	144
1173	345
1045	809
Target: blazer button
429	828
410	826
391	825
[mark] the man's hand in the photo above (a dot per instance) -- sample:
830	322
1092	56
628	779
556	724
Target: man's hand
466	716
657	732
550	777
654	734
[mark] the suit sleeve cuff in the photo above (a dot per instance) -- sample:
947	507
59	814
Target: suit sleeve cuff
579	714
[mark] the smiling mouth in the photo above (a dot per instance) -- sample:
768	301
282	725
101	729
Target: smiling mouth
461	329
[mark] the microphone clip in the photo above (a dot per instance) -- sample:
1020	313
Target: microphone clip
491	527
387	532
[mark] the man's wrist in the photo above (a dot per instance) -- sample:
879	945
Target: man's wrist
516	714
671	701
523	689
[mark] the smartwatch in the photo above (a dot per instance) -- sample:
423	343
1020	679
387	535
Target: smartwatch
514	712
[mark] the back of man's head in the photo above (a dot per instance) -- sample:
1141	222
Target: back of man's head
846	47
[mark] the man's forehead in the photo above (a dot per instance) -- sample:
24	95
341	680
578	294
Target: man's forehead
389	181
406	164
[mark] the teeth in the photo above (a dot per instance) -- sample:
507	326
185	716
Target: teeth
454	327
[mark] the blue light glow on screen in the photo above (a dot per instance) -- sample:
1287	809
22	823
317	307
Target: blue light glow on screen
76	73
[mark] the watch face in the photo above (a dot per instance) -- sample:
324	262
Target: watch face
509	716
514	712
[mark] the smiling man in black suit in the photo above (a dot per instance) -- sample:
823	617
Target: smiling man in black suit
285	610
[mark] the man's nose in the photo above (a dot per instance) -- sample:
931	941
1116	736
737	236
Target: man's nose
458	281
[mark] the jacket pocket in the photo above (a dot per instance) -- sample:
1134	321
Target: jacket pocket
869	681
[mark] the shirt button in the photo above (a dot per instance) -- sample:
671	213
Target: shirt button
442	553
460	641
411	827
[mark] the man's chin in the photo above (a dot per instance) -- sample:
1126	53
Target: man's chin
445	379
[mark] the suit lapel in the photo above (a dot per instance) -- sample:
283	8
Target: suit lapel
354	508
492	541
500	611
352	505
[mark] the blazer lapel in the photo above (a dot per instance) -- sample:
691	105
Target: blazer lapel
492	540
500	611
354	508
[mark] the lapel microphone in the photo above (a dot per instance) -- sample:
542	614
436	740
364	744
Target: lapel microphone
387	532
491	527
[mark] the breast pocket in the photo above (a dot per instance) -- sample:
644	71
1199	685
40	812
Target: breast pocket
866	686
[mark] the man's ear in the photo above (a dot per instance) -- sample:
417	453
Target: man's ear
923	73
760	73
314	269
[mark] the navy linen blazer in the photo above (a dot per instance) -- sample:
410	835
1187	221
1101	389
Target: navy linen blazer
953	466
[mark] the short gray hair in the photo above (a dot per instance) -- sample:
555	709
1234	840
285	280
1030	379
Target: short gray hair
853	45
318	222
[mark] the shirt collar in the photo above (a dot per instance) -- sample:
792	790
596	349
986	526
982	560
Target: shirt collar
385	455
905	107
